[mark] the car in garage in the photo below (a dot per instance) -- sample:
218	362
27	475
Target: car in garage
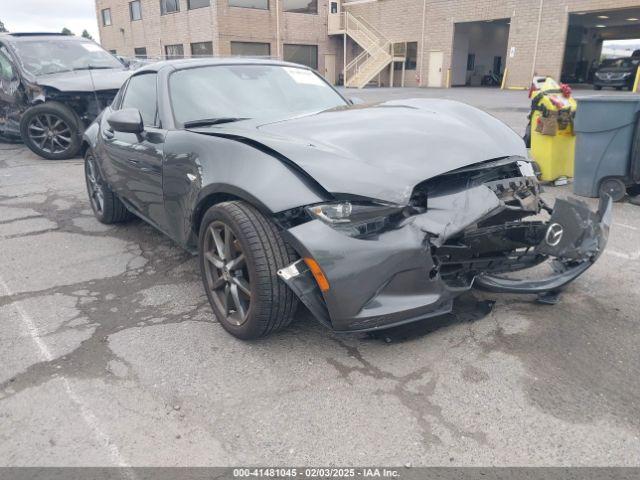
50	89
616	73
371	215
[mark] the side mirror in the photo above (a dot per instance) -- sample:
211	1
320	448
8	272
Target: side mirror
356	101
127	120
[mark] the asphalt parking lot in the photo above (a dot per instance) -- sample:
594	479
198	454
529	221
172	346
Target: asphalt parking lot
110	355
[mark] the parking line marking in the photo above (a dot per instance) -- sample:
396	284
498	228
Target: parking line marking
90	419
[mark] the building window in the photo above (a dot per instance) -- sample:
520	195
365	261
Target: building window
135	10
259	4
471	62
191	4
250	49
300	6
411	60
106	17
173	51
169	6
140	52
113	52
202	49
302	54
408	50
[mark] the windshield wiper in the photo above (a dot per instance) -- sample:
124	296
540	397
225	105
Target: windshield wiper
211	121
93	67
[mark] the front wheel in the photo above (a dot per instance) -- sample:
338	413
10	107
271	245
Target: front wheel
106	205
241	252
51	130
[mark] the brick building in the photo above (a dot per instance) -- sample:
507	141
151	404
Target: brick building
391	42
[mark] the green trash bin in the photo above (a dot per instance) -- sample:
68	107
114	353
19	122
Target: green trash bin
607	146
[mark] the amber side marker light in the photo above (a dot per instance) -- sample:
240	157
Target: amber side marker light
317	273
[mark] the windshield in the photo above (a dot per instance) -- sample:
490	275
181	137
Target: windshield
248	91
620	63
42	57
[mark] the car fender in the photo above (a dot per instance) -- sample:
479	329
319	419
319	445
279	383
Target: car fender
199	167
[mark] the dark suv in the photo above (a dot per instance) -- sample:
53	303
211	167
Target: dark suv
51	87
617	73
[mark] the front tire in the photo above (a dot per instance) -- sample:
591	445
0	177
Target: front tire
241	252
105	204
51	130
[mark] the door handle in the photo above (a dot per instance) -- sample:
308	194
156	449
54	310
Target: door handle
108	133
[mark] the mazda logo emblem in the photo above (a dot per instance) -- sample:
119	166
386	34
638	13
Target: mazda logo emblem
554	234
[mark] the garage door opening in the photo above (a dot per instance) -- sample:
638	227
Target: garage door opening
600	48
479	53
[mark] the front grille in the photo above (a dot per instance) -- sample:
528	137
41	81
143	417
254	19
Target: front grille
613	76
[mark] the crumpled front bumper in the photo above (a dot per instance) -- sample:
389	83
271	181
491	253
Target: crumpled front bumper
394	279
576	244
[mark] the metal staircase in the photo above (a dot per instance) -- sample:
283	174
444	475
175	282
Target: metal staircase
376	49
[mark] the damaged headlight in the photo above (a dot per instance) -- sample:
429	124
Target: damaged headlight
356	219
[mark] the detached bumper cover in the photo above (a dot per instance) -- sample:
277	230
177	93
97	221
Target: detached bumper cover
576	237
395	278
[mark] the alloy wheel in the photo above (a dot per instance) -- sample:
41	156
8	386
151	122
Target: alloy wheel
50	133
94	186
226	273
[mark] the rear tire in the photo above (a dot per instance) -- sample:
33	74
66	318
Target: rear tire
105	204
51	130
241	252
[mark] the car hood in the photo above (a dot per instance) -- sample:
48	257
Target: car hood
383	151
82	81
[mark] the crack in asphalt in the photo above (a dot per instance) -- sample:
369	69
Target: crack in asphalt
13	220
100	301
416	400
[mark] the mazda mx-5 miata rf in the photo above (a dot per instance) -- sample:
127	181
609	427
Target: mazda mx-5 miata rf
370	215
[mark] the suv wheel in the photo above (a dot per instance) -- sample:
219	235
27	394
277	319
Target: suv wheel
241	252
51	130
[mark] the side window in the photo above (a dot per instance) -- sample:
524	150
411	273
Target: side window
6	66
141	94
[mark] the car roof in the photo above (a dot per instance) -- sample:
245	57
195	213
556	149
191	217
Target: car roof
21	37
183	64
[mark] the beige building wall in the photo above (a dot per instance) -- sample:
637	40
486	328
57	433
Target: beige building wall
154	31
218	23
402	20
431	23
